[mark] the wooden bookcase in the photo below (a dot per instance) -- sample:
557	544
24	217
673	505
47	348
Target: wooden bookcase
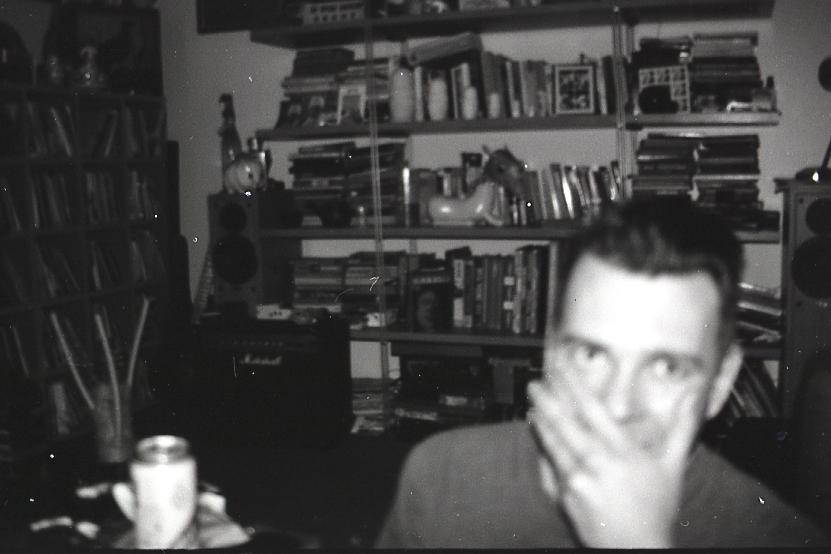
83	230
621	16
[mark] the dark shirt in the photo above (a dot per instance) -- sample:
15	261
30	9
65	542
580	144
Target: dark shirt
480	487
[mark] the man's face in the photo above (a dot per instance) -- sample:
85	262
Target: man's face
639	342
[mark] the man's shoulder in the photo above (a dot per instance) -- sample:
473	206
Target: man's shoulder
478	436
476	442
737	508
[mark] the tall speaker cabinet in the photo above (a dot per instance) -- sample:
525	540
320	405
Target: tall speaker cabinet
806	286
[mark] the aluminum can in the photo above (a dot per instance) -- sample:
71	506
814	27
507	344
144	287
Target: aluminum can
164	477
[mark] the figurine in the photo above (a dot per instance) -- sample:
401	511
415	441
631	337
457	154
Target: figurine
502	169
89	75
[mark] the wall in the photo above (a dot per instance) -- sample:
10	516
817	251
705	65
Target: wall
197	69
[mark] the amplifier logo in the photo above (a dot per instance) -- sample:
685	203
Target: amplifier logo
253	359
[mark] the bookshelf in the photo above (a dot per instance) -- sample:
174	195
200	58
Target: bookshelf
83	231
619	16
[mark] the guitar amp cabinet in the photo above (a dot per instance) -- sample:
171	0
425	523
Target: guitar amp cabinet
271	382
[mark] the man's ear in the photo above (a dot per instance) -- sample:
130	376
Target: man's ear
723	383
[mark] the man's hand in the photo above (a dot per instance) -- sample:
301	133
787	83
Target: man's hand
616	494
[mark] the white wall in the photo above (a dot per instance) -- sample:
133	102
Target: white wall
197	69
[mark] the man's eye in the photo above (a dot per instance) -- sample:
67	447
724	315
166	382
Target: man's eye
588	357
667	368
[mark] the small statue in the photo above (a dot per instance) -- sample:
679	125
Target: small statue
89	75
502	169
479	206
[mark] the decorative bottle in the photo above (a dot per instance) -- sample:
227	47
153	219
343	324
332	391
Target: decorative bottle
402	92
230	143
437	98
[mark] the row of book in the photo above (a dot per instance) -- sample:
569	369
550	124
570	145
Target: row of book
487	293
129	131
52	200
508	87
484	293
754	394
10	217
59	276
328	86
49	129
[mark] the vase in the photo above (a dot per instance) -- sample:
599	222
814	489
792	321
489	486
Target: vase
470	103
437	99
402	94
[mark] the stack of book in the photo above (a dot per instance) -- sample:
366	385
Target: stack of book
728	173
317	284
720	171
323	78
442	385
759	316
364	284
724	70
666	164
341	173
368	406
318	176
721	70
726	180
391	164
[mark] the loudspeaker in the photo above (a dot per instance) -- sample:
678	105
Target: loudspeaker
806	286
250	267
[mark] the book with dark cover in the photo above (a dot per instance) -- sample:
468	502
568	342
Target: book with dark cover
431	300
455	259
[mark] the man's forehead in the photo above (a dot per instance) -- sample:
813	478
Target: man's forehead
614	304
602	269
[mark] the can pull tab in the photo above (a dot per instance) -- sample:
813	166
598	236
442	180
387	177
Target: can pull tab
126	499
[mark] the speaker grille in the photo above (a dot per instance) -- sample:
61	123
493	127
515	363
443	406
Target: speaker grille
811	267
235	259
818	216
233	217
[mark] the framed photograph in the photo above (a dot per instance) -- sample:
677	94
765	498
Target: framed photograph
351	103
574	89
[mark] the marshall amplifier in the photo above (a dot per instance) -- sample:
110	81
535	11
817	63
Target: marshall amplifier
272	382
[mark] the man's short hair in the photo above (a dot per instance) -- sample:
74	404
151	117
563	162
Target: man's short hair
664	237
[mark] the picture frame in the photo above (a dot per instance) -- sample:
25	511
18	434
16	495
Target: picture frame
351	103
574	89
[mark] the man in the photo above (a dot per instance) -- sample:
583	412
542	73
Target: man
639	354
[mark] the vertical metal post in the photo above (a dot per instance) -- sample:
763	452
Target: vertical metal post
378	228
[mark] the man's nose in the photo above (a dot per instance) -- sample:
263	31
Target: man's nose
622	395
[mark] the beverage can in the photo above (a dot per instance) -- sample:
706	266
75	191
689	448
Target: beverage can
164	477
